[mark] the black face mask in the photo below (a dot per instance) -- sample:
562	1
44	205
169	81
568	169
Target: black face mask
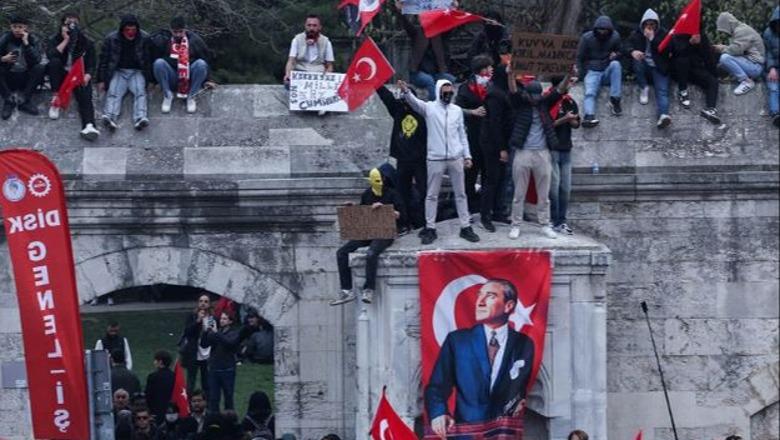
177	40
603	34
312	35
446	97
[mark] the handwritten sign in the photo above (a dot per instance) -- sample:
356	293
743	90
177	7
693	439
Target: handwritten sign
414	7
543	54
362	222
314	91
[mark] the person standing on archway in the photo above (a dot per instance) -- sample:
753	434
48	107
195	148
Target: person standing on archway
224	344
195	358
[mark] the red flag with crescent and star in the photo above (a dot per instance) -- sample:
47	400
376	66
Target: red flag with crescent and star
73	80
179	395
455	288
367	10
388	425
689	23
442	20
367	72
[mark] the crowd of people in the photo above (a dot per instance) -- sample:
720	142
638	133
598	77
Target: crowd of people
130	60
210	345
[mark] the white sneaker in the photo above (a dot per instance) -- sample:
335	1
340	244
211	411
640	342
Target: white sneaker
664	121
90	133
54	112
514	233
166	104
345	296
192	105
548	232
744	87
644	95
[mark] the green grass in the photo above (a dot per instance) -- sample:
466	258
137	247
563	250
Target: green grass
149	331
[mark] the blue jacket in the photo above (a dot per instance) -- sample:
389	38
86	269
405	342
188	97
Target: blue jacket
772	42
593	53
463	363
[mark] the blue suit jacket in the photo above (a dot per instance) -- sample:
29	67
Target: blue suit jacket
463	363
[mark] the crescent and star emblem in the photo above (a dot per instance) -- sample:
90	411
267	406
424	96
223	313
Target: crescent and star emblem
371	64
383	427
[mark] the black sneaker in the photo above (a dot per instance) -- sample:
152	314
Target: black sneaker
501	219
776	120
488	225
403	230
28	107
684	99
614	106
8	109
710	114
428	236
469	235
590	121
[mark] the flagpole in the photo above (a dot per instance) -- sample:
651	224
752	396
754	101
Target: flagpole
660	371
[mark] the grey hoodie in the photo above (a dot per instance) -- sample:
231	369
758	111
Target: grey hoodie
772	42
446	130
745	41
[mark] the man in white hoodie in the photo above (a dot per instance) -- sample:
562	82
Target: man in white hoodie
448	151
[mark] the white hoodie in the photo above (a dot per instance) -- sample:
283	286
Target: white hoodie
446	130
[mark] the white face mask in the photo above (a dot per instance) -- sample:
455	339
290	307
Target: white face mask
483	80
171	418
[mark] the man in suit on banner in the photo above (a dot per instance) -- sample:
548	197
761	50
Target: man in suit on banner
489	364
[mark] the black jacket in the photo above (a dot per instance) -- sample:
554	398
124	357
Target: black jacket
112	50
701	56
31	52
389	197
409	139
468	100
161	47
224	346
159	387
497	125
638	41
592	53
523	118
82	46
188	344
123	378
563	131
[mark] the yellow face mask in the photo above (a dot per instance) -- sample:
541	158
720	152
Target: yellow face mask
375	180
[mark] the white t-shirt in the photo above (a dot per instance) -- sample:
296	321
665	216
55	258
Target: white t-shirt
312	52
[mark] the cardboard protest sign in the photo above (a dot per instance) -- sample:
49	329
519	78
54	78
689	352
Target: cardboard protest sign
543	54
362	222
314	91
414	7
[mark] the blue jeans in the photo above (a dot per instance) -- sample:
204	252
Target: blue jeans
660	84
168	78
221	382
611	76
427	81
774	96
560	186
741	68
125	80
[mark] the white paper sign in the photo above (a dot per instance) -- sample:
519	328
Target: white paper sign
414	7
312	91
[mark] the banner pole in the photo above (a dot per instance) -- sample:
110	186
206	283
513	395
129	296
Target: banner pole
90	393
660	370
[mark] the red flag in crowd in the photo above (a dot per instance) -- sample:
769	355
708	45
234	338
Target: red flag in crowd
179	395
74	79
440	21
344	3
388	425
367	72
639	434
689	23
367	9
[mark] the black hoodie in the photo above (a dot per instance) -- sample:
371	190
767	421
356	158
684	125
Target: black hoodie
389	197
111	53
409	139
81	46
592	52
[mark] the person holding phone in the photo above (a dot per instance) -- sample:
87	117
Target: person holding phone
20	67
194	358
224	344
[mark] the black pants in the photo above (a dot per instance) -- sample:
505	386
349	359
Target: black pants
490	178
192	374
685	72
470	177
413	200
375	247
26	82
83	94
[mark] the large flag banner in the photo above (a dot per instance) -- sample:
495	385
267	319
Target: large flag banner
368	71
439	22
32	202
483	321
689	23
388	425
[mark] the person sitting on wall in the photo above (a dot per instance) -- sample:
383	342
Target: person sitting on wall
743	57
20	67
649	63
378	194
772	43
598	64
693	61
310	51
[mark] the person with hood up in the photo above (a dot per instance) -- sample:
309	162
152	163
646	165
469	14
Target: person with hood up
379	193
224	343
65	47
124	65
772	43
448	151
743	57
649	62
533	136
408	147
598	64
693	61
20	67
259	419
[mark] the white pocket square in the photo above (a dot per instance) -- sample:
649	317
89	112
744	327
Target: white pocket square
514	372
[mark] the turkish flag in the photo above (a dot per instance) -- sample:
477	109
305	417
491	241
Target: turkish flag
689	23
179	395
73	80
440	21
367	9
387	425
367	72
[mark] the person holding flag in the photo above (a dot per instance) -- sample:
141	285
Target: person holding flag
71	67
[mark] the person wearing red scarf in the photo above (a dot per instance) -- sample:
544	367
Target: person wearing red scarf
566	116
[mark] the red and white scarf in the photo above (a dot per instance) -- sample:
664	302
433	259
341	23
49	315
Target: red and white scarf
181	53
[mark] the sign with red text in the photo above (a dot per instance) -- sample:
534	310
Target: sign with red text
32	203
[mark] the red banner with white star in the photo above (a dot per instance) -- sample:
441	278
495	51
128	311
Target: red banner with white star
483	322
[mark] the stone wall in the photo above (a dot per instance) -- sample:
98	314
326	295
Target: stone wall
240	199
